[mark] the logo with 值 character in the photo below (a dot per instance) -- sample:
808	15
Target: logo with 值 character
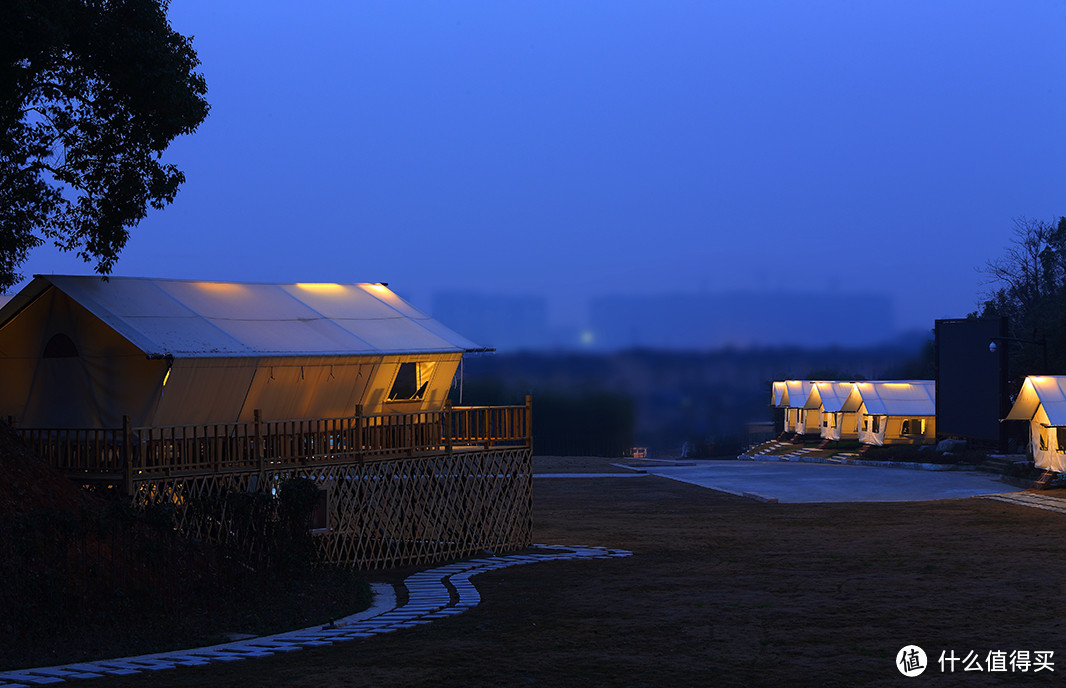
911	660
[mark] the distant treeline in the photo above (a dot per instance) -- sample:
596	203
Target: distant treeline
605	404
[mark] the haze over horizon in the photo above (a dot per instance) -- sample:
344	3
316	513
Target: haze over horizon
579	151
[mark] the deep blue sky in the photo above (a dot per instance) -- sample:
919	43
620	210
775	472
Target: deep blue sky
595	147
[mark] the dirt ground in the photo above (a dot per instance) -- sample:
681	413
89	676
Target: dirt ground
720	591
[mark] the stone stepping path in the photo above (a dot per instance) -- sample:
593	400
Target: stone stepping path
434	594
1032	499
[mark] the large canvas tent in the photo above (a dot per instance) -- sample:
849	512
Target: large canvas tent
1042	402
77	351
837	408
897	411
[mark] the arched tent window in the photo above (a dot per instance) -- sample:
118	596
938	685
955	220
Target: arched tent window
60	346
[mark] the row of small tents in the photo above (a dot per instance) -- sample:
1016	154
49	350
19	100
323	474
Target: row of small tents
876	412
891	412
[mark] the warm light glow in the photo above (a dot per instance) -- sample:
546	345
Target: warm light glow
1038	378
166	377
897	384
220	287
377	287
320	286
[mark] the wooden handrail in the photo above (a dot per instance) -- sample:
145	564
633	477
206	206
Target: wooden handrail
260	445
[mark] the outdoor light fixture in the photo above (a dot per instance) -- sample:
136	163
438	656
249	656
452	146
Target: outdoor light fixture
170	364
993	347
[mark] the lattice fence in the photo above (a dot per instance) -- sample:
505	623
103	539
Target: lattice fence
378	514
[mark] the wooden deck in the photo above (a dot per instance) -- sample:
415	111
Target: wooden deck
397	489
127	454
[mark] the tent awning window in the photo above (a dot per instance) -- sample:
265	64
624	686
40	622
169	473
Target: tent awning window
412	381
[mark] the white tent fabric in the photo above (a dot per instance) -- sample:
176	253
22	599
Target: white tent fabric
830	397
189	319
791	395
1048	391
898	397
1042	402
897	411
829	400
777	393
796	393
77	352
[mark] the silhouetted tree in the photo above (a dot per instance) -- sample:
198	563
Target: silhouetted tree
91	94
1029	288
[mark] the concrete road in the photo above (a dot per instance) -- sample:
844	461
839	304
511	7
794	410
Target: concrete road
815	482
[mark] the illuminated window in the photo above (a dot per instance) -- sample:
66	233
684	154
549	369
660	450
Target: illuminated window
913	426
412	381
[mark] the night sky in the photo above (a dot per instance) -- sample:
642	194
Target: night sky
582	149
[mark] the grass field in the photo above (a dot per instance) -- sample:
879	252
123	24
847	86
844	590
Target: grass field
720	591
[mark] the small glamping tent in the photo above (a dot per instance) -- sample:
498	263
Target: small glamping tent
79	352
778	393
897	412
837	408
1042	402
790	396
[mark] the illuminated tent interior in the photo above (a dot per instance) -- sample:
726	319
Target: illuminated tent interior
897	411
1042	402
79	352
833	403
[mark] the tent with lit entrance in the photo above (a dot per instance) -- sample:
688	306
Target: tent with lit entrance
837	408
791	396
897	411
82	352
1042	402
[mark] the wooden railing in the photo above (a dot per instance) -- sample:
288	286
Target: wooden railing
142	453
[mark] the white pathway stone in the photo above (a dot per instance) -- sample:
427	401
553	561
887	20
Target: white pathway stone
434	594
1032	499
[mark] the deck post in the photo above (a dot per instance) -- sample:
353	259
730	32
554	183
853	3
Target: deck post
127	454
257	443
529	420
446	426
358	444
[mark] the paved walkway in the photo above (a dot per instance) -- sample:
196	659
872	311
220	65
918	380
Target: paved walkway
434	594
817	482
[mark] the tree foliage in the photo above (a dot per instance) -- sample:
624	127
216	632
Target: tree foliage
1028	286
91	94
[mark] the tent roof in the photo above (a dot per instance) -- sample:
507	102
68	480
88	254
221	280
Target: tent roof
1048	391
777	393
200	319
829	396
794	393
898	397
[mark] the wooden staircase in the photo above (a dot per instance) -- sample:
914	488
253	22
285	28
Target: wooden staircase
1044	480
